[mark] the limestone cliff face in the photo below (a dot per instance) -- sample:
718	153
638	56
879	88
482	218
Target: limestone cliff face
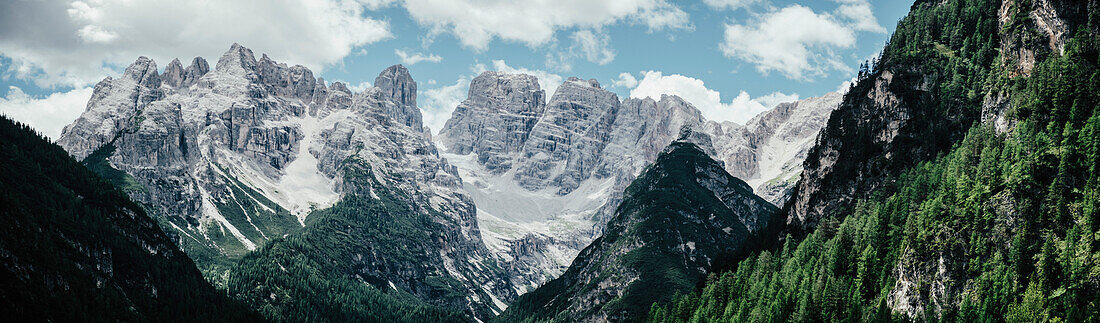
682	216
546	177
882	127
496	119
889	123
564	145
231	158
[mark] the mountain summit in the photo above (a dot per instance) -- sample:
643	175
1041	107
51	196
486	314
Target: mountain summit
681	218
246	153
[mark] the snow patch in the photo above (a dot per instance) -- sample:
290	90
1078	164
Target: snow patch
211	212
303	185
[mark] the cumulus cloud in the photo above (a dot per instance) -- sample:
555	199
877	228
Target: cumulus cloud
593	47
860	15
477	22
76	43
798	42
626	80
48	114
729	4
408	58
794	41
585	44
357	87
437	104
740	109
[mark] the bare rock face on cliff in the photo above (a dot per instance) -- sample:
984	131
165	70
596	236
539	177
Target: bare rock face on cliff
679	219
232	158
546	176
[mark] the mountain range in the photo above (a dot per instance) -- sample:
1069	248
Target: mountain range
245	153
955	179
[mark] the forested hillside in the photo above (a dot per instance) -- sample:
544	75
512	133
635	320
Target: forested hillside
1003	226
336	268
73	248
683	216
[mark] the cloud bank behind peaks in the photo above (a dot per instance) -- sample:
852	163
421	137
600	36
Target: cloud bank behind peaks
410	58
709	102
477	22
49	114
76	43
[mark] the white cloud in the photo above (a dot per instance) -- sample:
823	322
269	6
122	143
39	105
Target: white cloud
794	40
549	82
626	80
595	48
477	22
413	58
729	4
742	108
775	98
846	85
49	114
95	34
860	15
663	15
358	87
586	44
437	104
76	43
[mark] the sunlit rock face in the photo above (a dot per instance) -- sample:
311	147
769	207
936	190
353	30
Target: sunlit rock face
546	176
232	157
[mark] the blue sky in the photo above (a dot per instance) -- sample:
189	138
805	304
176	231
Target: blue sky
730	58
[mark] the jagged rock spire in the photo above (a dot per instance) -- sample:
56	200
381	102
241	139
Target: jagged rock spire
196	70
173	73
512	103
144	71
395	85
237	59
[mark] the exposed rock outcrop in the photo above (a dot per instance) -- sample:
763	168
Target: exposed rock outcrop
554	173
232	158
681	217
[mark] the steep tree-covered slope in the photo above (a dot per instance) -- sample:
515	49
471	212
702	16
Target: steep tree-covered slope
1002	226
342	266
249	152
683	216
72	248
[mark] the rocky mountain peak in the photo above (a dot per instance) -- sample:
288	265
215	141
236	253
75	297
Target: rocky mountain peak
699	139
564	146
236	60
681	217
396	88
589	82
493	82
296	81
495	119
173	73
339	87
396	84
199	66
193	72
144	72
